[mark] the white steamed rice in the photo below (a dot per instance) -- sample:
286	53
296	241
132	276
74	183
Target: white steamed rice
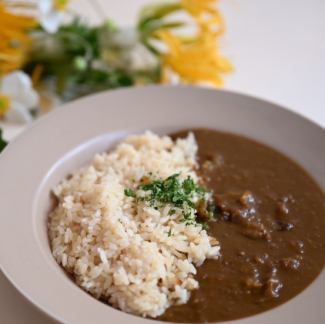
119	250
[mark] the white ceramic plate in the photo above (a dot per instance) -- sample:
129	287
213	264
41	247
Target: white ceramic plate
67	139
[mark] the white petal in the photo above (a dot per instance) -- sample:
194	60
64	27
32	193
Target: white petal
18	87
29	98
51	21
141	59
14	82
45	6
18	113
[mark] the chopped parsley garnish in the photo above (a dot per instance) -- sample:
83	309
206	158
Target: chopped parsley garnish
205	226
129	192
213	210
173	191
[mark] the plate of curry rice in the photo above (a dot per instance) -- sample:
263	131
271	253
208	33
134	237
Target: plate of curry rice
167	205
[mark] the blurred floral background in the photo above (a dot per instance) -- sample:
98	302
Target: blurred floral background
50	55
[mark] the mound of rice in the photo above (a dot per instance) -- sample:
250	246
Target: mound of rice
120	250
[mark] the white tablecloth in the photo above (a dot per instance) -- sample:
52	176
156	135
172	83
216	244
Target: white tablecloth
278	50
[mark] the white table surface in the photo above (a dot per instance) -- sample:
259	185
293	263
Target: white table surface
278	49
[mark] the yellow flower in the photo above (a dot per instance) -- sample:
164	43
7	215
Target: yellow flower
206	15
194	62
196	59
4	105
14	39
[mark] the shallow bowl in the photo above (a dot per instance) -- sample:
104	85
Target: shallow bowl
67	138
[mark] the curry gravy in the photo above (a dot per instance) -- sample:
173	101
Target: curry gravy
270	222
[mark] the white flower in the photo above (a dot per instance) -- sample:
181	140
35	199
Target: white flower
122	49
20	96
51	14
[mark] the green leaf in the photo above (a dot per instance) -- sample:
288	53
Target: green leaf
156	25
156	11
3	143
152	19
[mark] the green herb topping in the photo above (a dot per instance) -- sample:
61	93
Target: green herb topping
185	195
129	192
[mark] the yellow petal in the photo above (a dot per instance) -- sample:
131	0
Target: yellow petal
197	59
14	39
4	104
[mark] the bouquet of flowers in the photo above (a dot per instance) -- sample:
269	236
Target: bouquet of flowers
49	55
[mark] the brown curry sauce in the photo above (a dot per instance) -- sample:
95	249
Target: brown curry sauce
270	223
